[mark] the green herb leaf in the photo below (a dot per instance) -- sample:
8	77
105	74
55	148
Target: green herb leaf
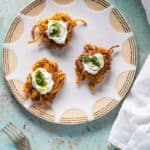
95	61
55	29
40	80
89	58
85	58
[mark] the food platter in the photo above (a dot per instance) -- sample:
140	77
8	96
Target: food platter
74	104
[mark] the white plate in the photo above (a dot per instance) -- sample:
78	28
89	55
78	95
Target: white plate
73	104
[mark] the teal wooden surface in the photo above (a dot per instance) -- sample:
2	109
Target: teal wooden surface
48	136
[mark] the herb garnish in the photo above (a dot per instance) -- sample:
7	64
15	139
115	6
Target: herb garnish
88	58
55	27
40	80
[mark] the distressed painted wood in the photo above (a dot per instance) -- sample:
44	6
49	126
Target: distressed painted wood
47	136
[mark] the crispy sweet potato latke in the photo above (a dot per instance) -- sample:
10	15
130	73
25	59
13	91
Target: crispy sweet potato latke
97	78
42	26
57	75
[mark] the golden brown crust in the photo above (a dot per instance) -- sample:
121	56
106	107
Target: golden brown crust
58	78
97	78
42	27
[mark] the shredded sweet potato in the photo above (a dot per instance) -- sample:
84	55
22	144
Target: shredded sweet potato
42	26
57	75
97	78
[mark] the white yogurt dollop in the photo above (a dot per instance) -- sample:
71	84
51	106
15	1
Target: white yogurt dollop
57	31
92	68
42	81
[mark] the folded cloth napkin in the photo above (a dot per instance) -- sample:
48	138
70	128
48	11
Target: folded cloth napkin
146	5
131	130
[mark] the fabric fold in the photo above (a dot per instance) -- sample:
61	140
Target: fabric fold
134	113
146	5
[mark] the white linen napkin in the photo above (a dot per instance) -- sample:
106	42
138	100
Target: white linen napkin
146	5
131	130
